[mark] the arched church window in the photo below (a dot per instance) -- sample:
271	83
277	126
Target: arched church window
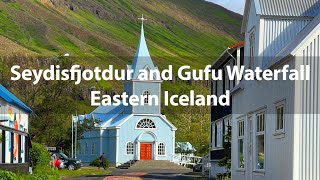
79	150
130	148
146	95
161	149
146	124
86	148
92	148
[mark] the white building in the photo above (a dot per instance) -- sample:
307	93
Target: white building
275	124
14	137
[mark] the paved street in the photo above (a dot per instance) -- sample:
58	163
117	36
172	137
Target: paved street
120	174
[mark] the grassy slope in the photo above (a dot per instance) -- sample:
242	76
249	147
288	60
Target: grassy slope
100	32
183	29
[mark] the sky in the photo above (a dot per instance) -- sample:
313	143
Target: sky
233	5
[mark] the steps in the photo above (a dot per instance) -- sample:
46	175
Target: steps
127	164
156	164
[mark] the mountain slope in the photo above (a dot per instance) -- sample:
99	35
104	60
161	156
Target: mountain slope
178	32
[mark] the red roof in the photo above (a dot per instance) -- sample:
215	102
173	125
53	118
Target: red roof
237	45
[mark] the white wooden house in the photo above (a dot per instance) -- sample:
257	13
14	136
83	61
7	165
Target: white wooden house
275	124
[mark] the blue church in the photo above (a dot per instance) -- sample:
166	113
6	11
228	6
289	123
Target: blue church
131	132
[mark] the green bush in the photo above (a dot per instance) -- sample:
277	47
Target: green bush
224	176
46	172
6	175
39	177
39	156
96	162
41	173
40	161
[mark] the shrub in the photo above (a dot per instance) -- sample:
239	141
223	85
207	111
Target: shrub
39	156
7	175
40	161
224	176
46	172
41	173
96	162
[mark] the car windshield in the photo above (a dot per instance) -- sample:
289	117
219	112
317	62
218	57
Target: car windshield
61	155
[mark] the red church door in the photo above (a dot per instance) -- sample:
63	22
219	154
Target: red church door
145	151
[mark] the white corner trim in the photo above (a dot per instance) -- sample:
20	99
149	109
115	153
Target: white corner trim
117	145
101	132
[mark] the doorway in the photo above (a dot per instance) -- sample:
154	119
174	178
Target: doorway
145	151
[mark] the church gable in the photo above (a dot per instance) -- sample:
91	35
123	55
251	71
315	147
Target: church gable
147	122
151	89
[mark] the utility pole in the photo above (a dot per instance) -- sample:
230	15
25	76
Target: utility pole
72	136
76	136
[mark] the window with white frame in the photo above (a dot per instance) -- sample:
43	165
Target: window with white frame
92	148
260	141
241	162
213	134
146	124
280	117
251	50
129	147
146	95
227	128
219	134
226	78
231	81
161	149
86	148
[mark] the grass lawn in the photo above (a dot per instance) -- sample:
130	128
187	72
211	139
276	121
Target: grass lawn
83	171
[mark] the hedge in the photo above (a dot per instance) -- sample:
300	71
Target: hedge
96	162
39	156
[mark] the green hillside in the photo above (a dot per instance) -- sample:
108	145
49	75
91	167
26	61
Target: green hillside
103	32
183	29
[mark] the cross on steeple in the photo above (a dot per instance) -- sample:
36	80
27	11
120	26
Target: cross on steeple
142	19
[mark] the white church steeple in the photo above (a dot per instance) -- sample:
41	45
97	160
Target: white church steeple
142	58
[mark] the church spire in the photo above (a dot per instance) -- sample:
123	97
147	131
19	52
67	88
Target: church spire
142	19
142	57
142	49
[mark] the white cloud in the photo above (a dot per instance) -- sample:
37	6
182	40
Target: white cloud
233	5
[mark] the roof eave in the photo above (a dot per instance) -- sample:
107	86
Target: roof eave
247	12
226	54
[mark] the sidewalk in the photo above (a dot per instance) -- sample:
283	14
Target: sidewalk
144	174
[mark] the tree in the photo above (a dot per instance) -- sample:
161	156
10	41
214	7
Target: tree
52	102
